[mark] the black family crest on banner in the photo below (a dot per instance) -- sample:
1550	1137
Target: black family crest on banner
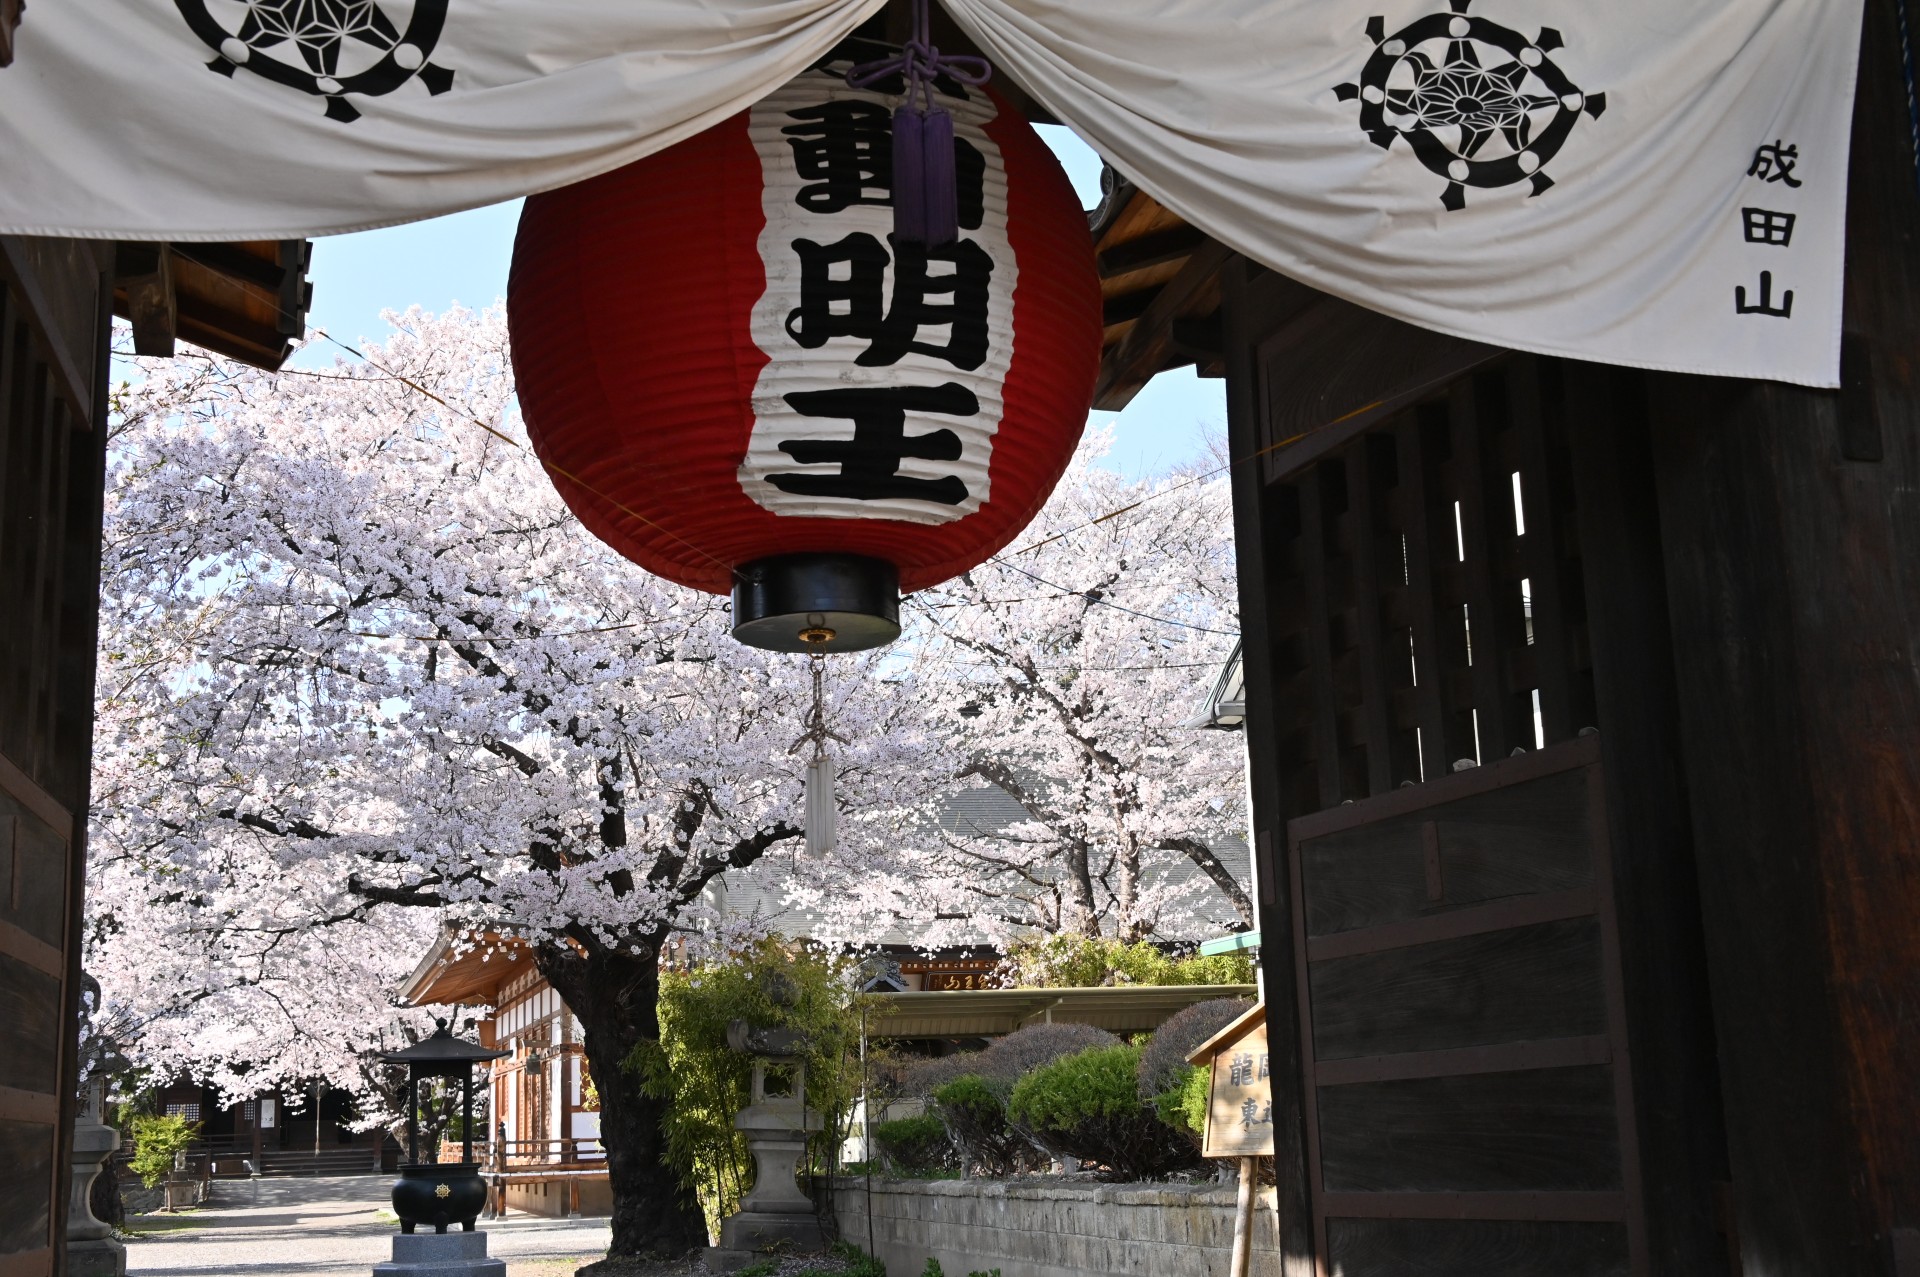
1481	104
344	47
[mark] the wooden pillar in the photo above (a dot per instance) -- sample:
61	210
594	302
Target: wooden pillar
1248	315
1791	523
55	303
1677	1104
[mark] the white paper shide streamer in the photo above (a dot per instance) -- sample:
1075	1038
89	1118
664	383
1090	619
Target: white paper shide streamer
822	819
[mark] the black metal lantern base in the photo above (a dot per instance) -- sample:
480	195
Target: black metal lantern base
816	603
439	1195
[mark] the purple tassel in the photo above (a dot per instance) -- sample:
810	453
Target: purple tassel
926	192
926	200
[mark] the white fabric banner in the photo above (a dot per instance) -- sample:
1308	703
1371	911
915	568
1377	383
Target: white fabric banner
1658	183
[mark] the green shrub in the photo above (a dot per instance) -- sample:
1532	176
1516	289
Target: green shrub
860	1264
1086	1106
1163	1066
976	1115
1087	962
155	1142
764	1268
1184	1106
909	1145
707	1083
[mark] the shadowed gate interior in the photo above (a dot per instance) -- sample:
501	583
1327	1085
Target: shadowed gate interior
1469	1096
1580	710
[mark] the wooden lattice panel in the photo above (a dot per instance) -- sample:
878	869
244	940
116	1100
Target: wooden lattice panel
1426	603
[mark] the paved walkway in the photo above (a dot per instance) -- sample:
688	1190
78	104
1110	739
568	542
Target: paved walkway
327	1227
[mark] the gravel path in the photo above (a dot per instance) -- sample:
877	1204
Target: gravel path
326	1227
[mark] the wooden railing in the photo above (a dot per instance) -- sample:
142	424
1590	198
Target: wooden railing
586	1152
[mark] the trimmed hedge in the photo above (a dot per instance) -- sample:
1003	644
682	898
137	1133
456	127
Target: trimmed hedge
1184	1105
1087	1106
1163	1067
977	1117
909	1145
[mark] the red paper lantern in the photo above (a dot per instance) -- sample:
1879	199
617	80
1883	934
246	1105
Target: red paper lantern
742	381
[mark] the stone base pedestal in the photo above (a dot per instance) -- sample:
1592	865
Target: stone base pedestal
96	1257
760	1230
441	1255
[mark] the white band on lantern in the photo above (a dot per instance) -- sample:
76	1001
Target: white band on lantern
795	368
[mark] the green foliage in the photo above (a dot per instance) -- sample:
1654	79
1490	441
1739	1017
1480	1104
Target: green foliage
1097	1083
1184	1107
914	1145
765	1268
706	1083
932	1269
1087	1106
859	1263
1088	962
975	1112
155	1141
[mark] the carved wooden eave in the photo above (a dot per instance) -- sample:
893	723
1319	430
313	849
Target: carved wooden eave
465	968
247	301
1159	293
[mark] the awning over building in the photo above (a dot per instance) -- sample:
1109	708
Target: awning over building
981	1013
463	967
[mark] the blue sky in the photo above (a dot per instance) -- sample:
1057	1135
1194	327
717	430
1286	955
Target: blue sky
463	258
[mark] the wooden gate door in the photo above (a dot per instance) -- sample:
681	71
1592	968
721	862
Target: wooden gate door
53	330
1469	1109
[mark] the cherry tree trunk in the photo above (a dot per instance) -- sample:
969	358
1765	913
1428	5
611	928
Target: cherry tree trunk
615	996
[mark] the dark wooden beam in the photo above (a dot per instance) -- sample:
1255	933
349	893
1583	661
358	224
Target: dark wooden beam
144	273
9	21
1156	248
1146	348
1126	306
1793	574
1683	1149
1250	311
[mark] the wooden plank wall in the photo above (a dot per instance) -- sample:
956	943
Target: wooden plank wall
1468	1098
54	303
1405	616
1791	535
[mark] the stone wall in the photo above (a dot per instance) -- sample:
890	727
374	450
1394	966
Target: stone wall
1039	1227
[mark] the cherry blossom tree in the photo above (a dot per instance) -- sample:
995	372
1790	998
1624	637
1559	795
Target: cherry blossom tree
363	674
1063	671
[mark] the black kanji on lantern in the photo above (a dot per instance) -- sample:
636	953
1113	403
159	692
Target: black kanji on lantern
843	151
870	461
1481	104
345	47
843	294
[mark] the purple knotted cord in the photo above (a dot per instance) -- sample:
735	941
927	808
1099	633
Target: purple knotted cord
926	201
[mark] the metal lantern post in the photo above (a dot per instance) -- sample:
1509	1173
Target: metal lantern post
431	1192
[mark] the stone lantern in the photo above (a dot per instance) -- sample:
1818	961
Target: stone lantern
776	1122
440	1194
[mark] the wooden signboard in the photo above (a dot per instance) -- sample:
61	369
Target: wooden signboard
1240	1095
942	974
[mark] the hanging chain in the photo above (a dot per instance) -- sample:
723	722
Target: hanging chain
816	638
